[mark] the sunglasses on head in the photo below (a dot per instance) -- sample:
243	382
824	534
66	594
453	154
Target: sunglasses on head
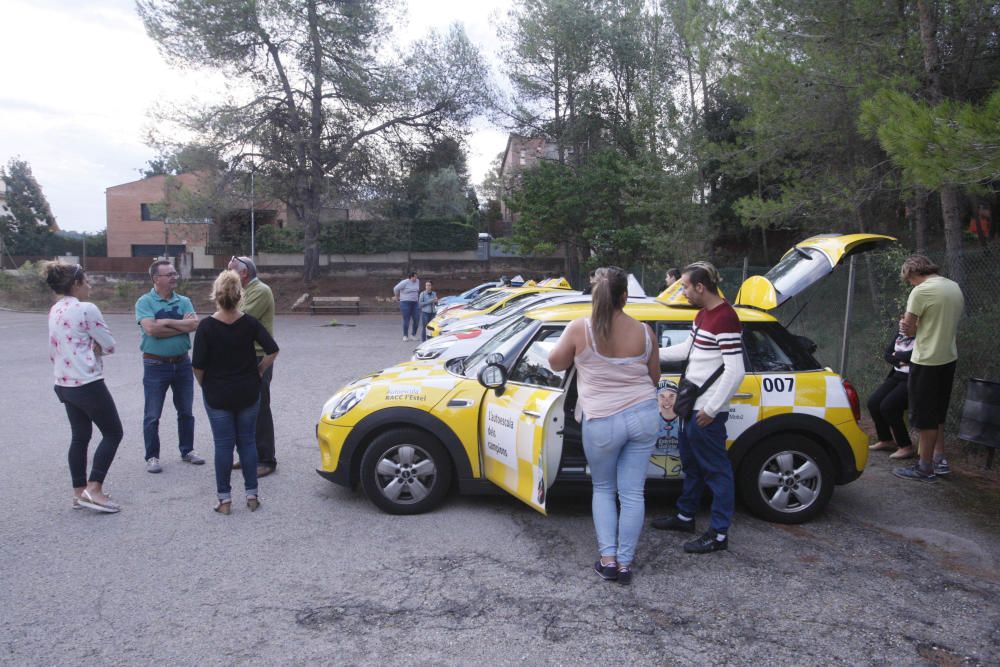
237	259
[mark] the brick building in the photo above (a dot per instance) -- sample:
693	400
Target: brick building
140	223
522	153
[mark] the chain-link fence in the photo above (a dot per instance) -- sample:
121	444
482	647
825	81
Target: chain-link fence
879	300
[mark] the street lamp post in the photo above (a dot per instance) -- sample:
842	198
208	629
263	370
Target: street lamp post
253	231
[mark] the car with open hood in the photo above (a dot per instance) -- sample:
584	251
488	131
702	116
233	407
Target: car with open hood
501	418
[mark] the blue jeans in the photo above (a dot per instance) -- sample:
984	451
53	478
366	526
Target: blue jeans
157	377
705	461
425	319
234	428
618	450
411	316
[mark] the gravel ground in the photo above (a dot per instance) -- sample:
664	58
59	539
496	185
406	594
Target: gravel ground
894	572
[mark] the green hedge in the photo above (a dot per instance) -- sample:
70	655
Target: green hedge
368	237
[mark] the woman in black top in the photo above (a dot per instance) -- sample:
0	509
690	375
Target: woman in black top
225	365
889	402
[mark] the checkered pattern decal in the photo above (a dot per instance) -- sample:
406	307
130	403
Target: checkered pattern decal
819	394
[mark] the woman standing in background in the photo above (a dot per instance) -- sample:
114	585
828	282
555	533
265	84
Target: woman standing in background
78	340
225	365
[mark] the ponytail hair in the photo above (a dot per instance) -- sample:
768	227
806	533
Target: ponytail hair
62	277
227	290
609	295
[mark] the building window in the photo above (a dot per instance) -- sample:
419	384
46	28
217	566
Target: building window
152	212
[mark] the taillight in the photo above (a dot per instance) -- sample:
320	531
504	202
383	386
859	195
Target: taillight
852	398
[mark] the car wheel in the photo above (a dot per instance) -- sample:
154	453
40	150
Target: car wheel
405	471
786	479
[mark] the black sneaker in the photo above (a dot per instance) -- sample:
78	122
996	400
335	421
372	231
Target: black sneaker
706	544
674	522
606	572
625	575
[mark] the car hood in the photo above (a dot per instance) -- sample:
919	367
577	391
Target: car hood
411	384
804	265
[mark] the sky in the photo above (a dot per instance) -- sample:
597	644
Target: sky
81	78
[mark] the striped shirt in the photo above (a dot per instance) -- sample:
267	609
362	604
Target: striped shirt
716	339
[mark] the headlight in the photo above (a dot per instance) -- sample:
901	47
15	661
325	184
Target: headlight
446	321
429	353
340	404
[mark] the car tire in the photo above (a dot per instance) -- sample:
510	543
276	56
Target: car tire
406	471
786	479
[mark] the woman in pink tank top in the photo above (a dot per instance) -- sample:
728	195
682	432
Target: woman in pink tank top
617	368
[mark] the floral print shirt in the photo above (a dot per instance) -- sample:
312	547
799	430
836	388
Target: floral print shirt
74	328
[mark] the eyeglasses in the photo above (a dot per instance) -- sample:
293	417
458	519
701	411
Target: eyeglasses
237	259
172	274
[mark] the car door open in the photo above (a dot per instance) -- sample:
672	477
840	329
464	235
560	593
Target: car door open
521	425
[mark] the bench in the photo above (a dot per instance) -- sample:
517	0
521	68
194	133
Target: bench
335	304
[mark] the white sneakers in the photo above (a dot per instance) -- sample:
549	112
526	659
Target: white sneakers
153	465
405	339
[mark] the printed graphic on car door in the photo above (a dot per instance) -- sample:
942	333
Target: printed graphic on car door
744	411
521	432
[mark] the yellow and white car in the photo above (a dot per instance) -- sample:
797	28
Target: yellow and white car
494	302
501	417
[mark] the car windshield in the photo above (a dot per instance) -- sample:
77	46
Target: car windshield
477	358
798	270
473	292
486	300
507	316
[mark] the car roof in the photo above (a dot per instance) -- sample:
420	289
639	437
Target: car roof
642	310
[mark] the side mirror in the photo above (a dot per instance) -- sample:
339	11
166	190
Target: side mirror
493	376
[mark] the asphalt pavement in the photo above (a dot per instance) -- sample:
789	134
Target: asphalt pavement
894	572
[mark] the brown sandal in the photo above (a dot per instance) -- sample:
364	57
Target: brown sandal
224	507
253	503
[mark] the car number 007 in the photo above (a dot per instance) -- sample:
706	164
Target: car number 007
779	385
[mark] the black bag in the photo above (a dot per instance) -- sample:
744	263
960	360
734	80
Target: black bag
687	394
687	391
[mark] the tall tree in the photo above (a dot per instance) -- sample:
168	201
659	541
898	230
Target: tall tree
802	70
325	107
550	61
30	223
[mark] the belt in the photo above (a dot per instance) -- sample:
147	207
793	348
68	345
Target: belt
167	360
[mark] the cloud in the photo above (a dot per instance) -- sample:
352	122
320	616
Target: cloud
82	77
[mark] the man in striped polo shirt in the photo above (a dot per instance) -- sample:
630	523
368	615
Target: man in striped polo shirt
716	342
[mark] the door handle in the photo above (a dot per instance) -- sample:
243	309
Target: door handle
742	394
536	415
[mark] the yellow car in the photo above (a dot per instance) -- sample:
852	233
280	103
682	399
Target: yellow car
501	417
494	301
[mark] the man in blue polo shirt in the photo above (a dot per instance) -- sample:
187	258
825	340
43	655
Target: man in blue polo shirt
166	319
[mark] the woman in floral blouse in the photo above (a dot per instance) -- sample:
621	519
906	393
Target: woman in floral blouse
78	338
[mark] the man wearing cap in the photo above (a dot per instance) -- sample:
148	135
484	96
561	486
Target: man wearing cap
714	356
166	320
258	302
